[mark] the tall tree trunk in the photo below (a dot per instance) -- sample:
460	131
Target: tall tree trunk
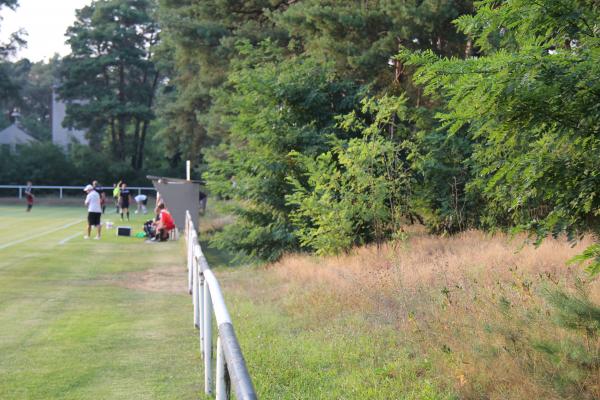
136	140
113	136
469	48
135	161
122	117
140	155
142	141
113	133
121	132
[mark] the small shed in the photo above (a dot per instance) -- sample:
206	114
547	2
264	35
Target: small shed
14	136
179	195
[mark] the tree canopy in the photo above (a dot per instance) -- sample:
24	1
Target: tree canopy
336	123
110	76
530	105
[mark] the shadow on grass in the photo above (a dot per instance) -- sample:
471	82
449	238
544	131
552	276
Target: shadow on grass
212	221
217	258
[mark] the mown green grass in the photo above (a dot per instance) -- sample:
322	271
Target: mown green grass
72	326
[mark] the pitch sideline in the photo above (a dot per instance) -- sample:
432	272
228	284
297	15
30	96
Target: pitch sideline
65	240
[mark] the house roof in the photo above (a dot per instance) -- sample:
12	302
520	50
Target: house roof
15	135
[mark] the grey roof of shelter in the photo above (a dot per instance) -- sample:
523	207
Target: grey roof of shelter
15	135
173	180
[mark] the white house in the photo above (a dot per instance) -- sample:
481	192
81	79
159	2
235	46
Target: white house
14	135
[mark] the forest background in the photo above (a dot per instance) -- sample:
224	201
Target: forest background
332	123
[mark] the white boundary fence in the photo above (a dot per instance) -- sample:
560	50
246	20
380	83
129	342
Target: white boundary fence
207	298
61	189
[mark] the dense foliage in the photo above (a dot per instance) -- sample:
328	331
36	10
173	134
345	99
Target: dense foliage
7	87
335	123
32	96
46	164
531	108
264	89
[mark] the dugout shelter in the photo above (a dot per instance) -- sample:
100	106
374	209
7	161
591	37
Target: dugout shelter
179	196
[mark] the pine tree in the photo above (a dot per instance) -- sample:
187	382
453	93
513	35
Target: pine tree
110	75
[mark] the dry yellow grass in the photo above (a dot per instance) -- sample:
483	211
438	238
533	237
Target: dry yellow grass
473	302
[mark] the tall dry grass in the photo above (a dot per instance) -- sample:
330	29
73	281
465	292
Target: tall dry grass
474	303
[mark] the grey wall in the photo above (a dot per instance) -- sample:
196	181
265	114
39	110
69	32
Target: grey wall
179	197
62	136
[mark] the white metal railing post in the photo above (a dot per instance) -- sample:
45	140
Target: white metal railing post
60	193
222	391
207	341
201	316
195	292
20	192
190	251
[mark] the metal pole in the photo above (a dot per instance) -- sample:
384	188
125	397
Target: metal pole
195	293
236	365
201	309
190	263
221	384
61	193
20	192
207	341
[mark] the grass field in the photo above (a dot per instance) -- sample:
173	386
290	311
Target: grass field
465	317
87	319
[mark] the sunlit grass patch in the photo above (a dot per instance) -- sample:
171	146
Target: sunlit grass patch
82	319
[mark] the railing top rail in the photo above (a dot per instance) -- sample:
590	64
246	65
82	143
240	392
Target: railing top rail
219	307
236	365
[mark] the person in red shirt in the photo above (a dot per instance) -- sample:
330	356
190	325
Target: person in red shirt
165	223
29	195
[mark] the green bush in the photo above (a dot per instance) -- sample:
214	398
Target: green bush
357	192
275	105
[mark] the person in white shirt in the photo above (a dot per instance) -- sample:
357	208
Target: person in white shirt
141	200
92	201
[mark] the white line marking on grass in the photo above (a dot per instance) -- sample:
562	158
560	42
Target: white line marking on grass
16	219
4	246
65	240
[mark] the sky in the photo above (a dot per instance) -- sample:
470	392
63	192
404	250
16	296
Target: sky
45	21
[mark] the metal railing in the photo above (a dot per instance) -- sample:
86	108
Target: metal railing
21	188
208	299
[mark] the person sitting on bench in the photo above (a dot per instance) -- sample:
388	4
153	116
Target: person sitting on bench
165	223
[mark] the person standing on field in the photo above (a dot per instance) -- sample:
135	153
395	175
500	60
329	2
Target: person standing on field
100	191
29	196
124	200
116	193
92	201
